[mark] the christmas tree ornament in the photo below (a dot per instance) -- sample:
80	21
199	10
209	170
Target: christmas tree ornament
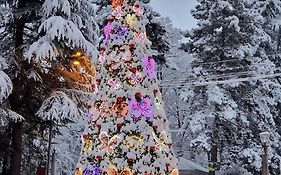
137	9
92	170
116	3
106	143
134	78
150	66
141	108
88	142
117	12
120	108
130	20
112	170
134	142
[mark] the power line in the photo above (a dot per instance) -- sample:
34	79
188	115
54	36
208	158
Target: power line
184	79
211	77
220	82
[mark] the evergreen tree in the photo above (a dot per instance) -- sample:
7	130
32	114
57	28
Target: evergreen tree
229	44
127	129
66	50
57	68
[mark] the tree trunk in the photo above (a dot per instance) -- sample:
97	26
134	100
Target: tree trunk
16	97
16	148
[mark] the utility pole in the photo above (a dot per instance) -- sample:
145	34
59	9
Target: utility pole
49	149
265	170
264	136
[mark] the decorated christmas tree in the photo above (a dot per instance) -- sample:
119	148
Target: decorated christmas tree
127	131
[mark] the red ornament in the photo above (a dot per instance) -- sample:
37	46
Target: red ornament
155	91
85	136
132	46
94	86
98	126
154	127
119	99
152	148
89	106
98	81
119	125
134	70
137	6
170	145
102	49
130	160
99	158
138	94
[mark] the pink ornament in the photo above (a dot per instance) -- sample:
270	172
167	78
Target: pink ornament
117	13
150	66
138	9
106	143
102	58
115	84
134	78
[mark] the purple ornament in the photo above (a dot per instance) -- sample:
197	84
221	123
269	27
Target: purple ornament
92	170
106	31
150	66
142	108
119	32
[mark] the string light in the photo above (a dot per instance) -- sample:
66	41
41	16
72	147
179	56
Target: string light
76	63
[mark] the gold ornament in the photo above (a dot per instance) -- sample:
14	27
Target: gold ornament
112	170
134	141
131	20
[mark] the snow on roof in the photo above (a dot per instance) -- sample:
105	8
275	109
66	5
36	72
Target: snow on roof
185	164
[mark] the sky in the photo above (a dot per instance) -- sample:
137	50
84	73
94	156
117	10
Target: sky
177	10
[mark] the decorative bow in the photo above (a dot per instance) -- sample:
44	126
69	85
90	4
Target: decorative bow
133	142
134	78
142	108
88	142
102	58
150	66
92	170
131	19
100	110
161	141
117	13
140	37
115	84
106	143
112	170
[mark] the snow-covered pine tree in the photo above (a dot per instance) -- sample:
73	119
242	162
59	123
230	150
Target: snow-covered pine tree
230	43
65	51
14	34
127	129
271	11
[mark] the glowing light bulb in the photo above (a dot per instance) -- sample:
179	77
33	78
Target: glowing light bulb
78	54
76	63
